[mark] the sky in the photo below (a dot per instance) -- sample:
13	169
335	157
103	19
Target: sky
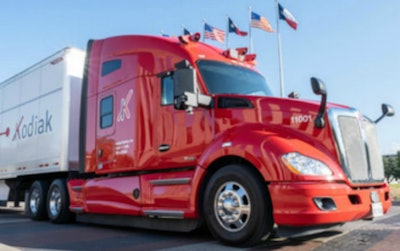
352	45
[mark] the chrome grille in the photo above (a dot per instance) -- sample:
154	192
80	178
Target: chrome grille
354	147
375	157
357	145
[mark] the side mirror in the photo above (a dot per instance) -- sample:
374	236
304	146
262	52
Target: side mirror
184	84
387	111
319	88
184	81
185	88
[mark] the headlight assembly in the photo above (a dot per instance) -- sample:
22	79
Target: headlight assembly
303	165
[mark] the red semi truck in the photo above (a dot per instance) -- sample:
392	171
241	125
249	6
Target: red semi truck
172	133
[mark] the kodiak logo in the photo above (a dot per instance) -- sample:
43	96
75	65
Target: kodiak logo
36	125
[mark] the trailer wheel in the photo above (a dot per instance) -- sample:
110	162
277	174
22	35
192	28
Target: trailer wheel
237	206
58	202
36	207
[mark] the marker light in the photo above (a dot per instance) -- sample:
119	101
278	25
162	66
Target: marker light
239	54
185	39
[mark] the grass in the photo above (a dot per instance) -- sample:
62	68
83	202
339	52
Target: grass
395	192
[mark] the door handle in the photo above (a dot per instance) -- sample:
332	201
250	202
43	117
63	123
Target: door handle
164	147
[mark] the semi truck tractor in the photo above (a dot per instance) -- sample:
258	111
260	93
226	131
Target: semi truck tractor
173	134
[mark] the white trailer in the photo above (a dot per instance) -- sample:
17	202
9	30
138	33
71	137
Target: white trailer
39	120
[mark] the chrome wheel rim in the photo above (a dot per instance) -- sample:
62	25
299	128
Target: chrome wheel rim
34	201
55	201
232	206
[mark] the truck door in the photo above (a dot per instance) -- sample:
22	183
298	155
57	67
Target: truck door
179	140
182	137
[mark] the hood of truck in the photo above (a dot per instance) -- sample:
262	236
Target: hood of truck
282	125
274	113
289	119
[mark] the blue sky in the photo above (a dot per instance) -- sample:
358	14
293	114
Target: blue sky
352	45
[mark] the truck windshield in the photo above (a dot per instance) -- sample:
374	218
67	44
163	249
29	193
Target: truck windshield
223	78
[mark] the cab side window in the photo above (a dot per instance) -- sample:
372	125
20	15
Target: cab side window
106	112
167	90
110	66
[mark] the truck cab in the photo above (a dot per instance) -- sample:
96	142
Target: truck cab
180	133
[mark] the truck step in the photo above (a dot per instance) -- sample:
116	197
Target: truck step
77	188
77	210
167	214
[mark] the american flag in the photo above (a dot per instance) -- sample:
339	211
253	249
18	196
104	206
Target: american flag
258	21
213	33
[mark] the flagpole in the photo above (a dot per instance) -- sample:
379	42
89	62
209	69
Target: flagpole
204	29
279	52
250	38
227	33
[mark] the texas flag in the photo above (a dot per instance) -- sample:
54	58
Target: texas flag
233	28
284	14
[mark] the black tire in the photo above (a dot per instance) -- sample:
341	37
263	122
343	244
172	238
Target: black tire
237	206
58	202
36	201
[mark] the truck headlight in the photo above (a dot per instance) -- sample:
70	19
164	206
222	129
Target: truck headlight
303	165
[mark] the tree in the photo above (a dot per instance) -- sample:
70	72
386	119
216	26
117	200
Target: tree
391	164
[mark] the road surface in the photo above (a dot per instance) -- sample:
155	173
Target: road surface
20	233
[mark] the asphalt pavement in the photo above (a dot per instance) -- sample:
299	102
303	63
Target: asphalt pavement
17	232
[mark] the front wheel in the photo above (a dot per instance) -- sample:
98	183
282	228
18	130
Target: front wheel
58	202
237	206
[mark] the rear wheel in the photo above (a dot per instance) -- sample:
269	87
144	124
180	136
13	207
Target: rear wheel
36	207
58	202
237	206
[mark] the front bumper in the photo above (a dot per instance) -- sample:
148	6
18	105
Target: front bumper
294	203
